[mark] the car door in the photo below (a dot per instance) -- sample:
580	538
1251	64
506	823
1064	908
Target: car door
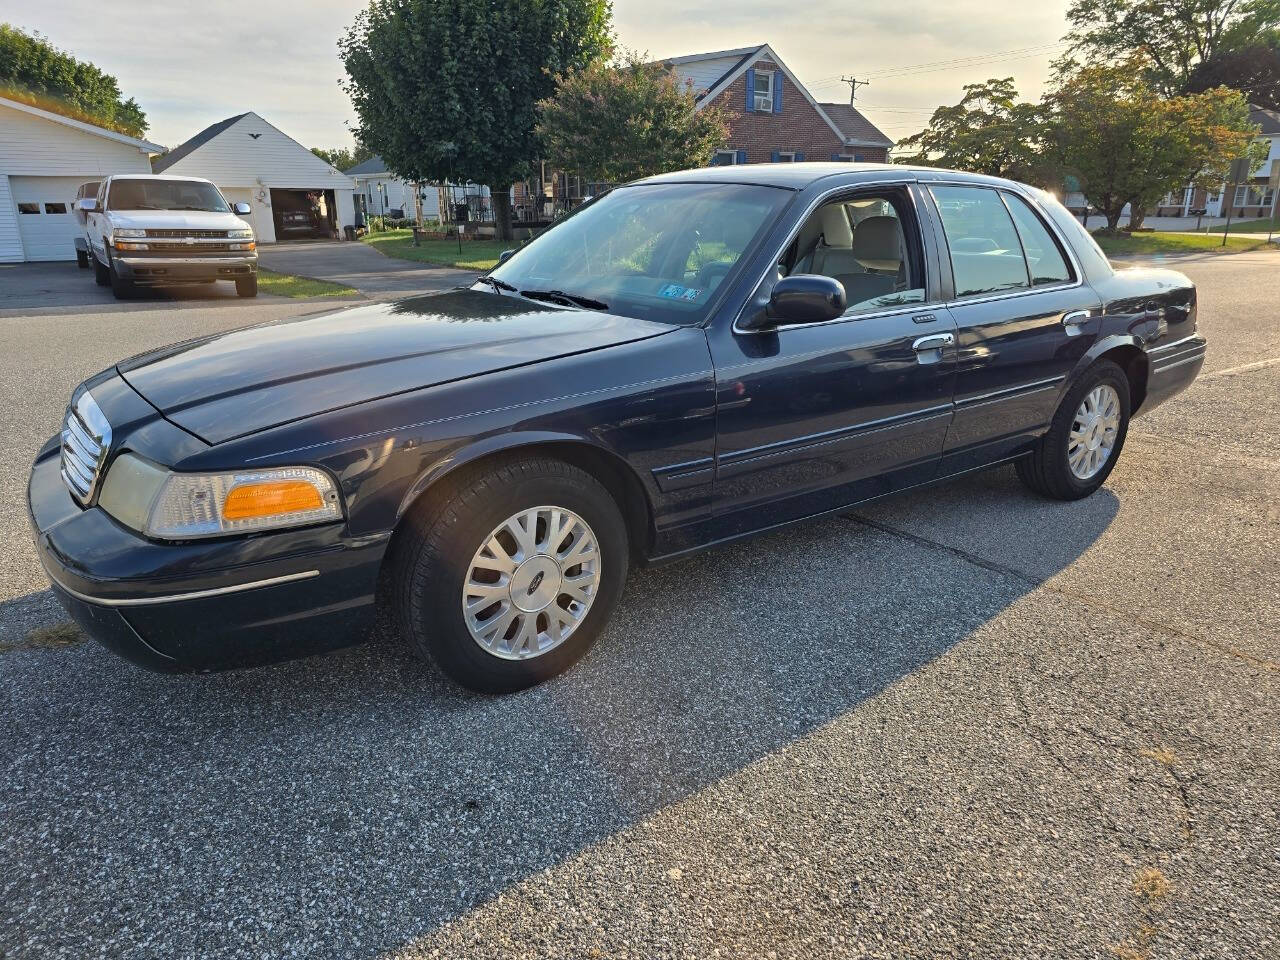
1024	318
814	416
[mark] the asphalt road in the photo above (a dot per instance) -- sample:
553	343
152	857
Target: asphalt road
965	722
361	266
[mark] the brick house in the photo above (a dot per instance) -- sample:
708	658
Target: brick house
1252	199
772	117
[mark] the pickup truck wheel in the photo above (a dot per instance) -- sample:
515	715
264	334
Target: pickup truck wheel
101	275
82	259
122	288
1085	438
509	575
247	286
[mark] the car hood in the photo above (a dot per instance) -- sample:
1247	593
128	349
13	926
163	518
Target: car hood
175	220
237	383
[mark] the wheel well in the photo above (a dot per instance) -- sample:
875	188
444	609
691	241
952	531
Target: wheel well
1134	364
612	473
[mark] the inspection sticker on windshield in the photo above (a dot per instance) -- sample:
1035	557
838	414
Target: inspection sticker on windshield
673	291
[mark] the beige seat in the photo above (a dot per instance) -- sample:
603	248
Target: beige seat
834	254
877	245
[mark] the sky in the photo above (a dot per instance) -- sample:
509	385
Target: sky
190	64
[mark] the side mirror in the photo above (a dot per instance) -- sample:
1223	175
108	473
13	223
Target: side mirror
241	209
806	298
506	255
88	204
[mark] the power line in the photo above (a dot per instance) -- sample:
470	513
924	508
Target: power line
955	63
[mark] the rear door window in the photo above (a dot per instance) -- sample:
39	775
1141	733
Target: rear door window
986	254
1044	256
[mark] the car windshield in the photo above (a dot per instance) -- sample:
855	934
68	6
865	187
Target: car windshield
165	195
652	251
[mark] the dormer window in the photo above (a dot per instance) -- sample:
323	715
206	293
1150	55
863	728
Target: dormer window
764	91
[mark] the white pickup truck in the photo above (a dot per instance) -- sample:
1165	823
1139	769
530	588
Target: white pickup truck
154	230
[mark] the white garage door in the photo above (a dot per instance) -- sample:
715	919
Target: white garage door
46	219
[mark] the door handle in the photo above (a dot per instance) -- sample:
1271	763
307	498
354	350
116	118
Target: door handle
1074	322
935	342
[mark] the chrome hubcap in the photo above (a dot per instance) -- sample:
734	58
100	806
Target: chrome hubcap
1094	431
531	583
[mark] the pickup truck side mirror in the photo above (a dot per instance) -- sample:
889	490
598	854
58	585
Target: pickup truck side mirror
802	298
88	204
241	209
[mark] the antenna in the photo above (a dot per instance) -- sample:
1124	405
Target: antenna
854	84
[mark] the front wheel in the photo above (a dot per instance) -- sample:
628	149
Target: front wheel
122	288
247	286
101	275
508	576
1085	438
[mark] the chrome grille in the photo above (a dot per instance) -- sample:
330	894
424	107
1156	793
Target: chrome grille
183	234
86	437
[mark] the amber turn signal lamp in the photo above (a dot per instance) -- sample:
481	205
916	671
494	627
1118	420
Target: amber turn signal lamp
269	499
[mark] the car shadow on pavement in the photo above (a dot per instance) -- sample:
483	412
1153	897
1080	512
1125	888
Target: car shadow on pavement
350	803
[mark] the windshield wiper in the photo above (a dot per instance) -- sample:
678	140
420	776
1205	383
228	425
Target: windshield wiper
201	209
567	299
496	283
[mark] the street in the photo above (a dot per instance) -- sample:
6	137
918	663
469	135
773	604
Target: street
962	722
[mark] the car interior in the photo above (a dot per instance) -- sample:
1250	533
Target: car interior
862	243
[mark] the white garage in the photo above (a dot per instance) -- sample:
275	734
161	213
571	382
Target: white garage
44	157
292	192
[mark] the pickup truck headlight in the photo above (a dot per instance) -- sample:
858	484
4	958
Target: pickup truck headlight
239	234
184	506
121	234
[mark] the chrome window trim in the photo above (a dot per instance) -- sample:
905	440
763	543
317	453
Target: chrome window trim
178	597
1049	225
921	306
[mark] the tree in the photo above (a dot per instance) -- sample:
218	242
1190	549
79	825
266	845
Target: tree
988	131
1253	70
343	158
34	71
1128	145
1172	36
626	120
448	89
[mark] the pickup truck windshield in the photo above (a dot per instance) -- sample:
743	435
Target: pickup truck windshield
651	251
165	195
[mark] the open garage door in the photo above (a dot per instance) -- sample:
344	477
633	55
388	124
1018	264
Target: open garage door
47	222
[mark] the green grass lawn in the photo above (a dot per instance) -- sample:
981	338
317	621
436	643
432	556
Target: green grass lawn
299	288
1253	226
476	254
1140	243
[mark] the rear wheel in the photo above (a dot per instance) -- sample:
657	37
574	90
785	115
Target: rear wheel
509	575
82	259
1080	450
247	286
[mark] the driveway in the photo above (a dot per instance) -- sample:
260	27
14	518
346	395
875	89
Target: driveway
359	265
961	722
61	285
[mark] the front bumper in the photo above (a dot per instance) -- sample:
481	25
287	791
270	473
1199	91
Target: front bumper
157	269
205	604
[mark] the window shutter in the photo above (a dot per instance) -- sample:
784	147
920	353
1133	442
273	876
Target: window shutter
777	92
751	90
799	158
835	157
775	157
857	158
742	156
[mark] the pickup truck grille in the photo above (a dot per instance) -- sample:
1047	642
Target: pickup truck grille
205	247
86	437
181	234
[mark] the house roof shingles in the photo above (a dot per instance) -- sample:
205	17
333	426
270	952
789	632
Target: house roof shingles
160	164
854	125
372	166
1268	120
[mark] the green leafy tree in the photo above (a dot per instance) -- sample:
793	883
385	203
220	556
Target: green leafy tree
34	71
342	157
1253	70
1172	36
989	131
626	120
448	89
1126	144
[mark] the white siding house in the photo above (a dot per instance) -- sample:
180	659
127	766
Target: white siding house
44	157
253	162
383	191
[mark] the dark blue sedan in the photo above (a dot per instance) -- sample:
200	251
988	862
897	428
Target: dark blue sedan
686	360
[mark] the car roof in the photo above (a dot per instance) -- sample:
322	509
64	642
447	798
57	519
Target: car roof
798	176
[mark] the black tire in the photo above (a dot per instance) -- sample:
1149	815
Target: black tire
101	275
432	554
1048	471
82	259
122	288
247	286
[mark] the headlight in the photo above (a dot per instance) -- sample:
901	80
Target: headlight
119	233
239	234
183	506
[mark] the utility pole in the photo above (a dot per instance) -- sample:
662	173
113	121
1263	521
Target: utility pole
854	84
